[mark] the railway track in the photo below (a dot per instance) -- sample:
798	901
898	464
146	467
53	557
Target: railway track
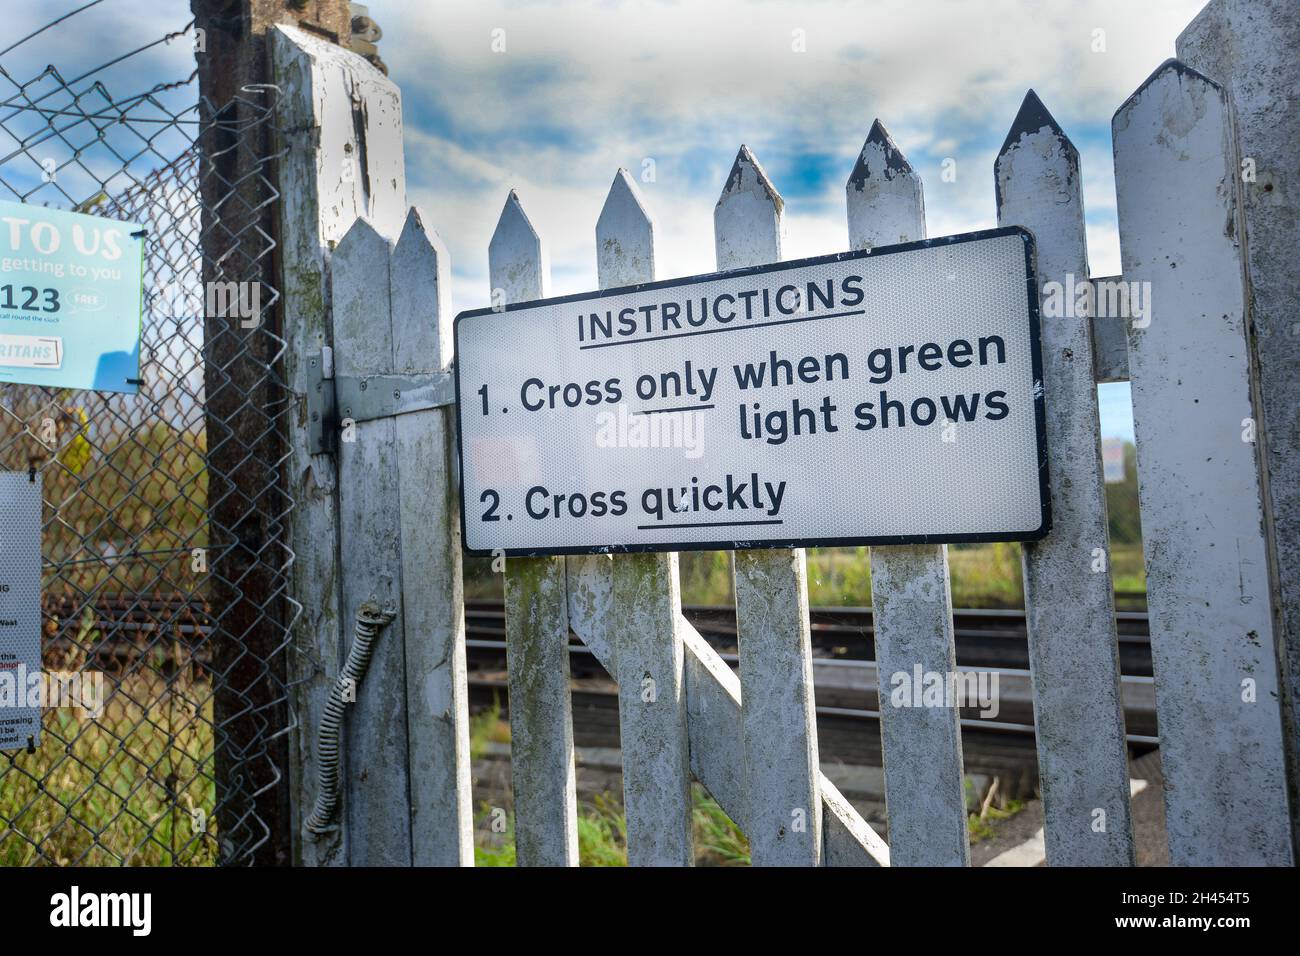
844	671
127	626
984	637
846	681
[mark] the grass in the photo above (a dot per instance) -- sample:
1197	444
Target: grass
992	808
982	576
718	841
1128	571
979	826
487	727
602	827
119	788
602	835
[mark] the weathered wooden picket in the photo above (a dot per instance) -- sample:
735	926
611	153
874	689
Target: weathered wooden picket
367	286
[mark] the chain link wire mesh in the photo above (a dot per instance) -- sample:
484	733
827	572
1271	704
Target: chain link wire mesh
164	566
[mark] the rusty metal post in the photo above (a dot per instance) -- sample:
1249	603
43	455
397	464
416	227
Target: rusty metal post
237	185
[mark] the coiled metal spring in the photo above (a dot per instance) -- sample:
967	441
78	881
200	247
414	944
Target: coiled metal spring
370	621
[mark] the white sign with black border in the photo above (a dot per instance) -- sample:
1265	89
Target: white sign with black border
885	397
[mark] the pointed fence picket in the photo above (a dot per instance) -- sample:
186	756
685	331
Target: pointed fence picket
1069	604
437	695
1248	46
647	612
1217	691
375	756
542	774
778	713
750	739
925	793
406	744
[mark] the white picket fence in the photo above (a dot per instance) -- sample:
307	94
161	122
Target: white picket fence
382	525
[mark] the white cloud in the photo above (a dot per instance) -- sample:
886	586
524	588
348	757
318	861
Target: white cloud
582	89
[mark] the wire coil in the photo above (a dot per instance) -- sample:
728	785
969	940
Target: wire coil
370	621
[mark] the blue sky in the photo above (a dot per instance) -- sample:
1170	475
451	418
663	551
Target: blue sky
581	89
551	98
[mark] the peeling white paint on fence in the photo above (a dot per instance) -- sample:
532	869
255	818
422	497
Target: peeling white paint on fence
432	597
375	756
748	221
884	195
1211	620
1069	605
1249	47
652	711
317	206
910	595
357	151
778	712
537	622
647	613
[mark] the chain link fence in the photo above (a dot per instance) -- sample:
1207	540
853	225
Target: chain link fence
164	567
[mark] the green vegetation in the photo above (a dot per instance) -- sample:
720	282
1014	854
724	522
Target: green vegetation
978	825
982	575
487	727
1122	503
120	788
602	835
110	492
602	829
718	841
100	792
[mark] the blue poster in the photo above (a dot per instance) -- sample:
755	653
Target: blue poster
70	291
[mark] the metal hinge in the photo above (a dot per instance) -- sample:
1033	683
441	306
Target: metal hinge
334	400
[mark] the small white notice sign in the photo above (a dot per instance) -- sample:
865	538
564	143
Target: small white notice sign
884	397
20	608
